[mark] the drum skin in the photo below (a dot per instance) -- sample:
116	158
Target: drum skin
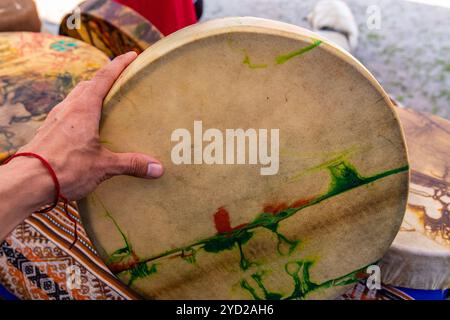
420	254
111	27
36	72
226	231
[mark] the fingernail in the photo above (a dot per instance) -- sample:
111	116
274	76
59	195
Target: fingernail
155	170
132	53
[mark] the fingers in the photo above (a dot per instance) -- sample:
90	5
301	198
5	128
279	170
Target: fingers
105	77
135	164
78	91
87	97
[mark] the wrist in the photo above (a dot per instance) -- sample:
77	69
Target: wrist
28	183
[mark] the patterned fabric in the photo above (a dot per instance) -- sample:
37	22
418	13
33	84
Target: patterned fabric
36	263
5	294
361	292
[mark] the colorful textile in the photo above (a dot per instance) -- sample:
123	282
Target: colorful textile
36	263
361	292
5	294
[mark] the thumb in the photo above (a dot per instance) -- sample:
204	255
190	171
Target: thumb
137	165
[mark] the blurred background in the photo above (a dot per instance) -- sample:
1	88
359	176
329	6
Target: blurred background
409	53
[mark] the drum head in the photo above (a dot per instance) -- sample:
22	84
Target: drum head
420	254
302	228
37	71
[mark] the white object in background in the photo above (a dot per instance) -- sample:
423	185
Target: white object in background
54	10
337	18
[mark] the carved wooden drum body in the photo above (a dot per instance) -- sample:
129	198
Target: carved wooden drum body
37	71
111	27
295	205
420	254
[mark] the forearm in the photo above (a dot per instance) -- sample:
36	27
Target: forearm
25	186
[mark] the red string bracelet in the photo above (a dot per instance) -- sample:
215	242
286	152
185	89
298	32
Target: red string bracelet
58	196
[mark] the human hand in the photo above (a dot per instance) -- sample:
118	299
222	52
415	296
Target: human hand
69	141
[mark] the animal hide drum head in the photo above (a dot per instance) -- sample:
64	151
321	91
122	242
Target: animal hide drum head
37	71
296	204
419	257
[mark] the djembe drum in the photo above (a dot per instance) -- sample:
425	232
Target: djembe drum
420	254
109	26
37	71
295	205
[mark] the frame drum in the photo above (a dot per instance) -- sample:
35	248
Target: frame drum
37	71
295	205
111	27
420	254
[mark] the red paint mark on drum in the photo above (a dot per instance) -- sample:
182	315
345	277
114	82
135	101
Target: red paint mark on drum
240	226
280	207
301	202
130	263
222	221
274	208
222	216
361	275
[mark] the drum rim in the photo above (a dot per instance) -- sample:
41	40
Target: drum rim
8	34
419	251
237	25
96	14
221	26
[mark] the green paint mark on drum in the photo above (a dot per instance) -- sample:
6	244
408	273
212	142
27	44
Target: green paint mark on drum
228	241
299	271
142	270
252	65
124	259
285	57
258	278
343	177
271	223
